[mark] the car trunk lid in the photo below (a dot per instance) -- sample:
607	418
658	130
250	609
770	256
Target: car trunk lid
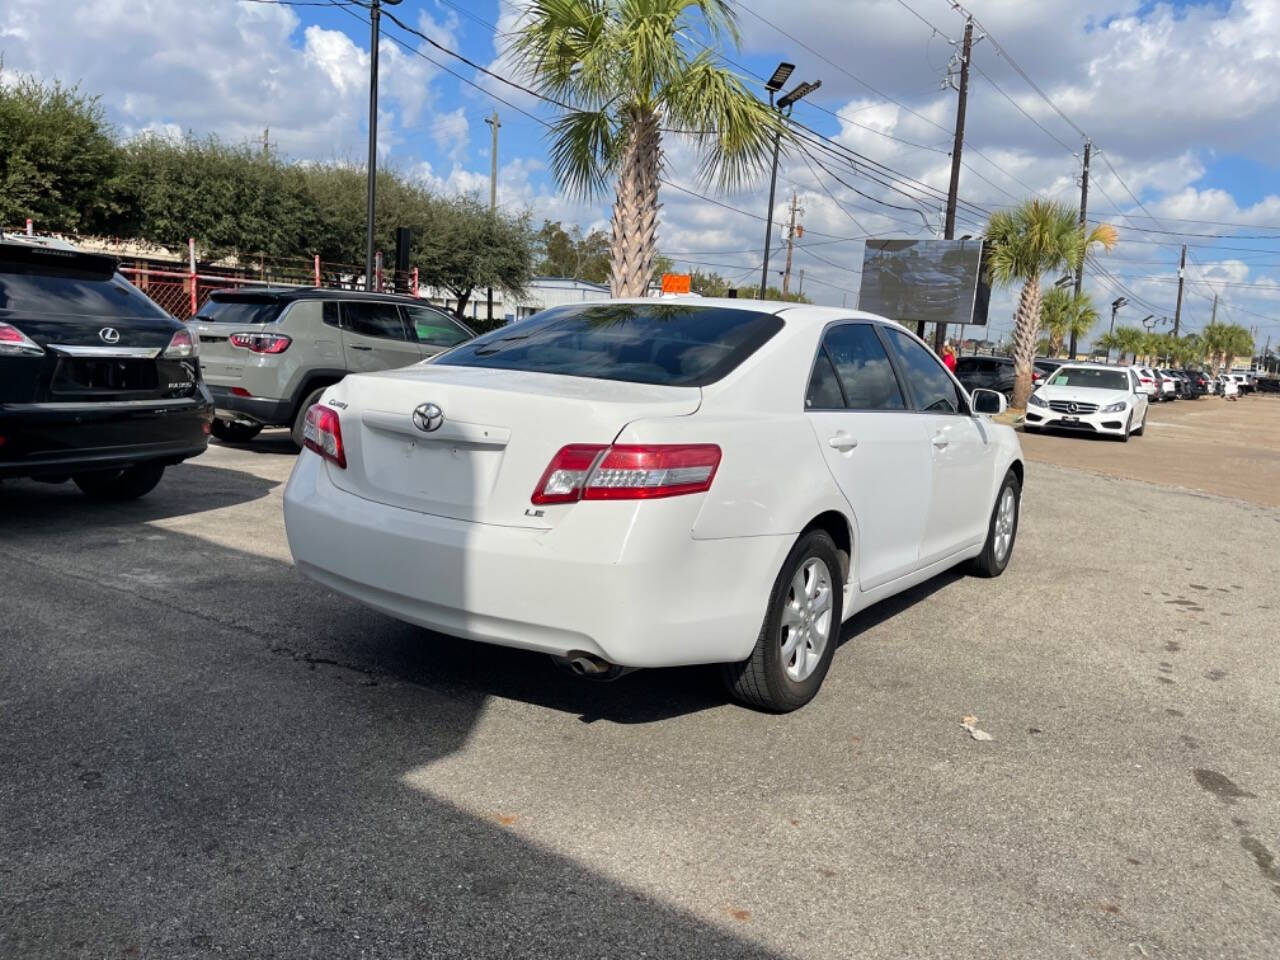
496	433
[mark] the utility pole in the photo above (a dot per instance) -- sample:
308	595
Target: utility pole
266	141
493	182
791	242
1213	317
1084	207
949	226
1177	313
800	290
375	16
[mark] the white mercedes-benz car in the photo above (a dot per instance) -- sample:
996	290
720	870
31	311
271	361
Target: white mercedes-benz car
655	483
1091	398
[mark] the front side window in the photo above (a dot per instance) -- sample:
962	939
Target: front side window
926	377
668	344
434	328
373	320
862	368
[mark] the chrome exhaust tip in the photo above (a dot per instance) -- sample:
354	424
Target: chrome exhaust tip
590	667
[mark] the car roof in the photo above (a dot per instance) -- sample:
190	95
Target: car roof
793	311
285	294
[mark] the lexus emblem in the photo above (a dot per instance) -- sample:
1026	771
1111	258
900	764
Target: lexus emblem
1072	406
427	417
109	335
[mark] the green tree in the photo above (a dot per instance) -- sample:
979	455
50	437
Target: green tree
1129	341
1111	341
627	72
1223	342
1064	315
568	253
467	247
58	160
1033	239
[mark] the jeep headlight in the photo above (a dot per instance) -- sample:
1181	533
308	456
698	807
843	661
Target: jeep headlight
1115	407
1036	401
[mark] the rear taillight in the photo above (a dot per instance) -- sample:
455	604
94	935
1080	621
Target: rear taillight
15	343
184	343
627	472
261	342
323	434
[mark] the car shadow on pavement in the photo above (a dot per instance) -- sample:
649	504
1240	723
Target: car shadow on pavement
215	763
878	613
269	441
28	504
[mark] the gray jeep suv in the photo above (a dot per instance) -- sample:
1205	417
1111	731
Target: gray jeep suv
269	354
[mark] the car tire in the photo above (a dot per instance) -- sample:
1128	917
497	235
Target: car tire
1128	429
777	682
230	432
1142	427
300	418
129	483
995	555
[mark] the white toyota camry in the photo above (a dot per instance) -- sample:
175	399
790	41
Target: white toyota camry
655	483
1092	398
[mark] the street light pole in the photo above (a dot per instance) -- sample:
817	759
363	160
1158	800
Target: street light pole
799	92
375	15
1116	304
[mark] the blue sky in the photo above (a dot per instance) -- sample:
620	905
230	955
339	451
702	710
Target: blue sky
1181	100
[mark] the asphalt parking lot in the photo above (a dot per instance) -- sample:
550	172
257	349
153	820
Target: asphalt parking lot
203	755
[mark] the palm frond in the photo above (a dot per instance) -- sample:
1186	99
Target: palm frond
584	152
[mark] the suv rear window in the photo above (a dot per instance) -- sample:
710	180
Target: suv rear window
240	311
679	345
35	290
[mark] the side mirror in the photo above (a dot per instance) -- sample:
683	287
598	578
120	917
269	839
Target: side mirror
989	402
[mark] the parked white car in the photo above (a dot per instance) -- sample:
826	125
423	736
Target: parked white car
1168	386
1146	381
656	483
1091	398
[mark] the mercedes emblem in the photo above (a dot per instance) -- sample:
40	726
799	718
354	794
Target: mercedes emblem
427	417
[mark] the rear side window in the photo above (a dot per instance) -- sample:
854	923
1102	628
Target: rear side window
926	377
38	290
373	320
239	311
434	328
681	345
862	368
824	389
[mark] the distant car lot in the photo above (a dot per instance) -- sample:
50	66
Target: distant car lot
205	755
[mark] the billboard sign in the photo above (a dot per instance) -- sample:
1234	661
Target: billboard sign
925	281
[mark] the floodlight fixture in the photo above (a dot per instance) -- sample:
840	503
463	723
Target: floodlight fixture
774	83
798	93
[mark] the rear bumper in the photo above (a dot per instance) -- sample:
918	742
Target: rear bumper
261	410
604	581
54	439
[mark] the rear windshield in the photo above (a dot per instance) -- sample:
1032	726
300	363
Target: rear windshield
1087	377
679	345
239	311
35	291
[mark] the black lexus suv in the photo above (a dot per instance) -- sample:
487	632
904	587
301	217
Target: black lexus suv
97	383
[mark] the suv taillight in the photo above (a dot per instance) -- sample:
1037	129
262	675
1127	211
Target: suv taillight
323	434
184	343
261	342
15	343
627	472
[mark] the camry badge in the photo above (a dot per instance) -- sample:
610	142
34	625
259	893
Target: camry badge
427	417
109	335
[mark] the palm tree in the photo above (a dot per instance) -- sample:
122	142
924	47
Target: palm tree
1223	342
1130	341
626	74
1064	315
1027	242
1111	341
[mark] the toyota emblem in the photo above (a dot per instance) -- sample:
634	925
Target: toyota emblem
109	335
427	417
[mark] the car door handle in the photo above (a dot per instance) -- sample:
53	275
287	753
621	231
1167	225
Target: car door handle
940	441
356	346
842	441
